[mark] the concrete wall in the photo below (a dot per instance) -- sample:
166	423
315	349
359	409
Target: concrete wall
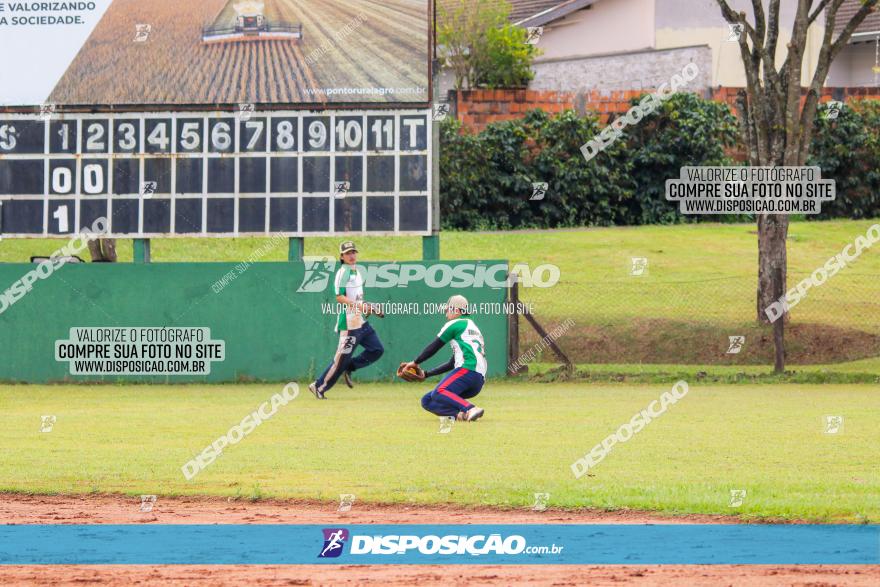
853	67
681	23
445	83
608	26
642	70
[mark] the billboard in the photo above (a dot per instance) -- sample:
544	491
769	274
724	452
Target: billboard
119	53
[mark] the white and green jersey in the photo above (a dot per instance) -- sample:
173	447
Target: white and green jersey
467	344
350	284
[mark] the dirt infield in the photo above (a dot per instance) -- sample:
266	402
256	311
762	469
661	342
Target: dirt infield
22	509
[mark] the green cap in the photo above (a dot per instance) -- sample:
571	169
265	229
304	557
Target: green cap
347	246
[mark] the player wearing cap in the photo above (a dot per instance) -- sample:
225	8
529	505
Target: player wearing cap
352	325
468	365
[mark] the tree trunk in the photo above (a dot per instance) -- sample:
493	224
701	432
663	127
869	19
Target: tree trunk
772	233
103	250
108	245
772	229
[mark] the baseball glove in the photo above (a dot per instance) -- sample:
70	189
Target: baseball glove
412	374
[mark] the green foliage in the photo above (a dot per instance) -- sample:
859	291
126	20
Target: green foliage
463	35
684	130
486	179
466	192
506	59
847	148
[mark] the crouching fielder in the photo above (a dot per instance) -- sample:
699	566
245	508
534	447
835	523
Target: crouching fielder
468	365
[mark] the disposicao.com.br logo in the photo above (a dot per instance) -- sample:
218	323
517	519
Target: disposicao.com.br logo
319	273
410	544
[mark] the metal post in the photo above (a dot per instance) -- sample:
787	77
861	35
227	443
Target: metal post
141	250
566	362
513	327
431	244
295	248
431	248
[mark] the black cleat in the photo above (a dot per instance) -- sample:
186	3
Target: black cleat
347	378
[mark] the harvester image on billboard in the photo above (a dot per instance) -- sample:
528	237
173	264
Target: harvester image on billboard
246	20
209	52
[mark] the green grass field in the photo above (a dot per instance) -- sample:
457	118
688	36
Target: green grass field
376	442
593	260
764	435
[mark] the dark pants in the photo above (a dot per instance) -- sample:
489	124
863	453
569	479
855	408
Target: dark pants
451	395
343	361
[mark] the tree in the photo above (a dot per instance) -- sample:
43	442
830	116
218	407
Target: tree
776	127
463	35
506	59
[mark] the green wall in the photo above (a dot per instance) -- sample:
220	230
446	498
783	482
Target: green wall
272	333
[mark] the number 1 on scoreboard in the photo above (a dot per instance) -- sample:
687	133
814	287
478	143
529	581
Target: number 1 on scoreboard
63	136
64	133
386	126
60	214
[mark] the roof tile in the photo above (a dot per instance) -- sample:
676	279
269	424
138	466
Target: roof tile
519	9
848	10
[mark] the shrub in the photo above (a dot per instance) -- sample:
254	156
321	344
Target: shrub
684	130
486	178
847	149
506	59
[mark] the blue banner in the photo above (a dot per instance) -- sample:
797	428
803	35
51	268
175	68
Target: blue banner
595	544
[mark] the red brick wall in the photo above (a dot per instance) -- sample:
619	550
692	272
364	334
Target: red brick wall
477	108
845	94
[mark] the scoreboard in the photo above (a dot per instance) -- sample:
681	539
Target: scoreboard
222	174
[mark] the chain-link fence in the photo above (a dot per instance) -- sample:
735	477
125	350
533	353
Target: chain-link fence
646	319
